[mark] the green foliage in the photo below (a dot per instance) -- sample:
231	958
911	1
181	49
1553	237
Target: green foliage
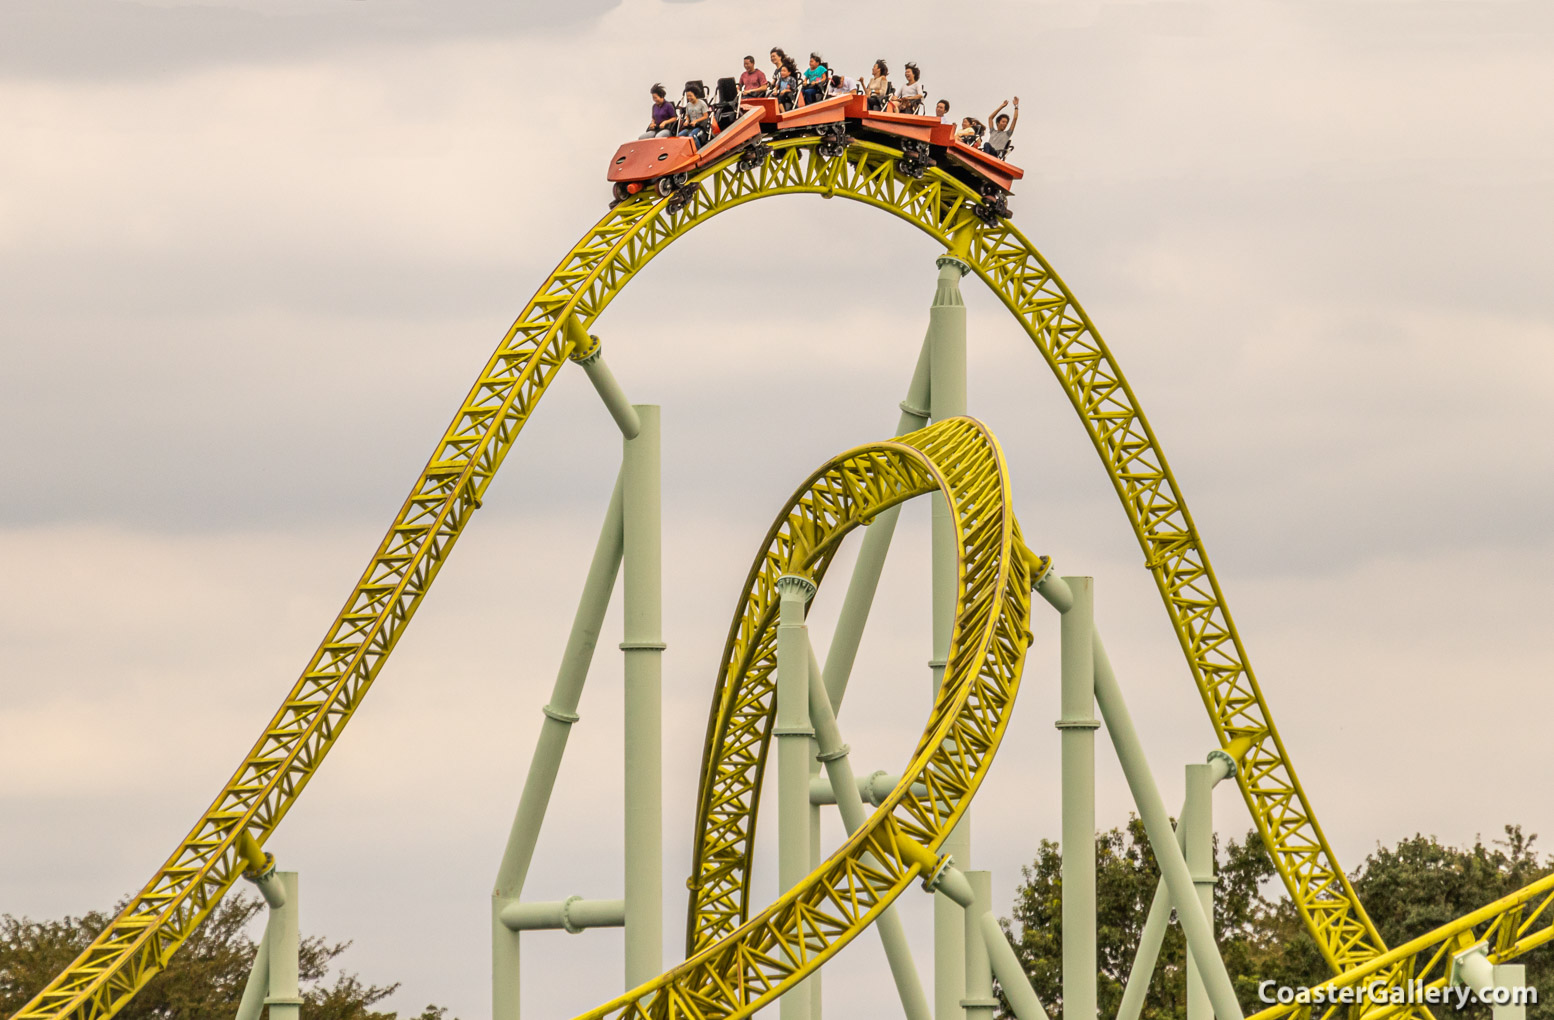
1125	877
1408	890
204	980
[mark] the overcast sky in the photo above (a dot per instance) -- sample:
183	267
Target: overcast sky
252	255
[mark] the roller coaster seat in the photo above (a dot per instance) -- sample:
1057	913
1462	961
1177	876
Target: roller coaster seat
915	104
705	134
987	147
725	103
787	100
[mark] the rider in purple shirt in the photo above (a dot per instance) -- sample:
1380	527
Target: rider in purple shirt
662	124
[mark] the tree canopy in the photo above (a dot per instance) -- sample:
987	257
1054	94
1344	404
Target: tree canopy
1409	889
205	978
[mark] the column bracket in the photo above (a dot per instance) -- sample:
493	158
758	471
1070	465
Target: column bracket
560	715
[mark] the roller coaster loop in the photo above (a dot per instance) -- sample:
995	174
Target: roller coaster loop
741	967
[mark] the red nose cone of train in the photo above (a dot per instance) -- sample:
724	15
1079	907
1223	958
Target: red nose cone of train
648	158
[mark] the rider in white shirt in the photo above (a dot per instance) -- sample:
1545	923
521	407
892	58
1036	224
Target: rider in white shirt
909	98
841	85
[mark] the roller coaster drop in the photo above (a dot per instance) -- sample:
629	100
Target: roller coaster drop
737	959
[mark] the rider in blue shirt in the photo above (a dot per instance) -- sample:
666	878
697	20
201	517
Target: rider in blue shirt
816	77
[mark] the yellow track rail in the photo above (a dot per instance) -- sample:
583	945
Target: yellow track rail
744	966
1508	927
272	775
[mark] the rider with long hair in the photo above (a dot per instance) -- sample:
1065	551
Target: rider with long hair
816	77
786	87
909	98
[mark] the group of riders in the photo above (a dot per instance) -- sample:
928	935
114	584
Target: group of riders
792	88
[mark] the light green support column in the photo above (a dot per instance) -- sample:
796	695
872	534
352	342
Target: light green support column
571	915
1197	828
1157	825
1011	975
273	886
979	1001
946	342
284	998
1148	952
1513	976
871	553
641	514
839	770
961	888
252	1003
815	979
1472	968
560	714
1221	766
793	732
1077	724
873	789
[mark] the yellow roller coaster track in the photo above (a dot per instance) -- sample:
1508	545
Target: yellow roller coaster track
741	967
273	774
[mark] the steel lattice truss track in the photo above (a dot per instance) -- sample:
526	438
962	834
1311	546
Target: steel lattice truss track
272	775
1510	926
741	967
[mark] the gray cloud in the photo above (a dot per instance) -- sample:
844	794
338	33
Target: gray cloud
117	38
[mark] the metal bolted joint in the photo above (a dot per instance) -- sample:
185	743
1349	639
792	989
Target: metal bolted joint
589	353
946	878
1223	766
1472	967
960	264
795	586
261	870
1046	583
